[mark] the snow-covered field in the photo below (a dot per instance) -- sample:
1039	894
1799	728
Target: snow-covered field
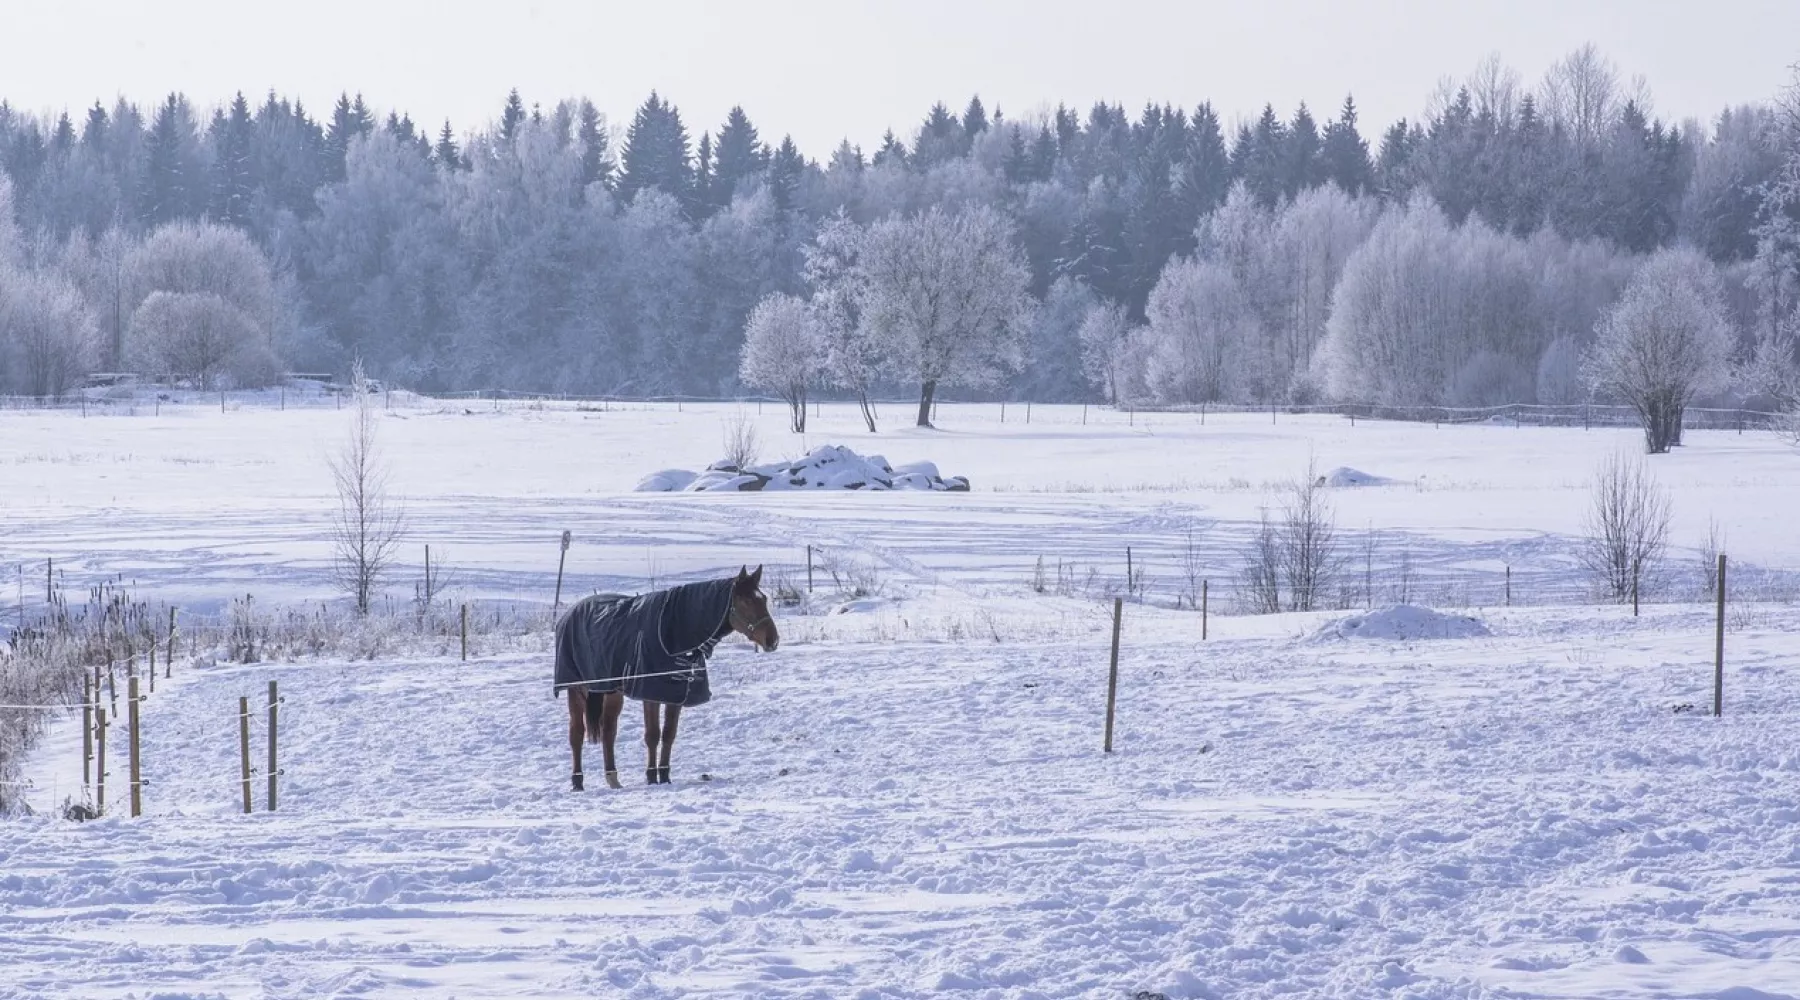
909	798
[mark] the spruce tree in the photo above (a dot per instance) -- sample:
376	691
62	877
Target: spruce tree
941	138
974	122
785	169
656	154
1205	173
512	116
738	155
590	133
892	150
170	180
1345	155
446	153
234	173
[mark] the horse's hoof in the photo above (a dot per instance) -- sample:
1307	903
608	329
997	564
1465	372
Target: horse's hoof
612	780
649	775
576	779
662	775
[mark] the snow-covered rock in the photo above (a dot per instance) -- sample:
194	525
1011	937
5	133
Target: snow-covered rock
829	467
1346	476
1403	621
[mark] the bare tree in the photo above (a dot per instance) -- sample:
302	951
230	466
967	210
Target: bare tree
1293	562
48	337
1710	547
201	336
366	532
740	440
1667	341
1259	578
1627	526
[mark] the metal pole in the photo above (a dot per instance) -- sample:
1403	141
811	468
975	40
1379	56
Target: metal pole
560	559
244	746
273	702
1719	648
137	779
1112	675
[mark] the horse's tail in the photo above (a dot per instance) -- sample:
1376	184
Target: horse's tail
595	703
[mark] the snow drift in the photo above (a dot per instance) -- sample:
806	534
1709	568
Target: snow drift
1403	621
829	467
1346	476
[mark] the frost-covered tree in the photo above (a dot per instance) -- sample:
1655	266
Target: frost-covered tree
203	259
1666	341
852	355
946	296
1111	351
784	352
48	337
1200	327
200	336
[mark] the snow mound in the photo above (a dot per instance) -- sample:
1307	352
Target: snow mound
1403	621
1346	476
829	467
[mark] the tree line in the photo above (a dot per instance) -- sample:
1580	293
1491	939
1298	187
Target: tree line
1162	255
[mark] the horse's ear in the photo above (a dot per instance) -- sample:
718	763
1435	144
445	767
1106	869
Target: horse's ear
756	577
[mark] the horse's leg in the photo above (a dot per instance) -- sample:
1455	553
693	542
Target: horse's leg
652	737
671	719
577	729
609	731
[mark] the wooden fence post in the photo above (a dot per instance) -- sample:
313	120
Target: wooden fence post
99	761
809	570
152	667
1129	585
1719	647
244	746
1204	584
1112	674
137	778
88	699
273	702
50	581
560	560
1509	585
465	632
169	654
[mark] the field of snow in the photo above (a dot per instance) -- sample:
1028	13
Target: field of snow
909	798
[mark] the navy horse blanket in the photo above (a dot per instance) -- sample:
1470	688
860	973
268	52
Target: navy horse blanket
653	647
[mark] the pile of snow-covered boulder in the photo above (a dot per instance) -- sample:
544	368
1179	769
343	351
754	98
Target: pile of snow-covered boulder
831	467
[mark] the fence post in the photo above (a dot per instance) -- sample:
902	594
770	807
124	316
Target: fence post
465	632
1719	647
99	761
1204	584
273	702
50	581
88	699
560	560
1084	414
1003	411
137	780
1509	585
1635	568
244	747
169	654
1129	586
1028	411
1112	674
809	571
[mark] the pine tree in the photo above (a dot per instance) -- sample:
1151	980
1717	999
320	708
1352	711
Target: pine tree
704	177
446	153
62	137
234	175
1344	155
1205	173
170	170
93	131
974	122
892	150
1394	178
656	154
785	169
1267	160
348	120
590	132
738	155
941	138
1043	155
512	116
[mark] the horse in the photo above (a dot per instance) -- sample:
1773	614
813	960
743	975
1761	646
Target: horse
652	648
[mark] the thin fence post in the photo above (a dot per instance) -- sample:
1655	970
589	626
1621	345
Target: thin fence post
809	570
169	654
465	633
1084	414
1130	586
561	558
88	700
100	761
1204	585
1003	412
1112	674
1719	647
1028	411
137	777
1509	585
273	771
50	581
244	747
1635	568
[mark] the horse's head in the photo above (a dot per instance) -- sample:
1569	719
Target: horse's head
750	611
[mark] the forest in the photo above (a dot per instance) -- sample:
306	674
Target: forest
1471	256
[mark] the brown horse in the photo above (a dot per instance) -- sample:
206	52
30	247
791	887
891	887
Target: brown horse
595	703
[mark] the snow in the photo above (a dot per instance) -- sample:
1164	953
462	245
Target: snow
1404	622
1353	477
910	800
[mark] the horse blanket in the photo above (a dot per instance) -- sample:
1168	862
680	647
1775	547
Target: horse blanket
653	647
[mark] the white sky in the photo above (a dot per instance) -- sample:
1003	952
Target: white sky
824	70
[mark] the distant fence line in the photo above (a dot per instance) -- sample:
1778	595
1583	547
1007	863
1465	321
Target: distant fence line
1518	414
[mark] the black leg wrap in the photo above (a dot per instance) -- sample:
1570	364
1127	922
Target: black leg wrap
576	778
662	775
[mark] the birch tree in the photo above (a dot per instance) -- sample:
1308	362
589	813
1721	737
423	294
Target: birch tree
784	352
